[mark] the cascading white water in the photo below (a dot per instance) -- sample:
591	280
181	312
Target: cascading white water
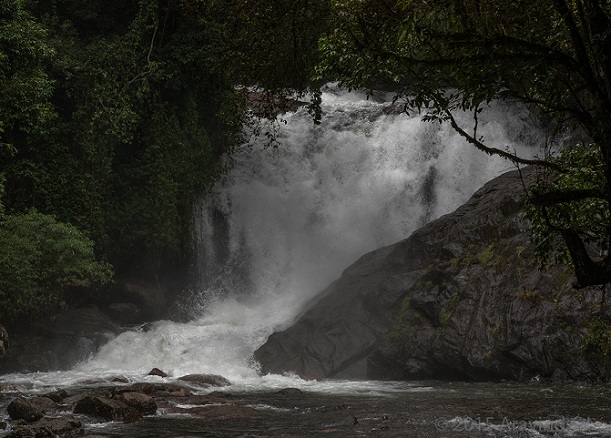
285	221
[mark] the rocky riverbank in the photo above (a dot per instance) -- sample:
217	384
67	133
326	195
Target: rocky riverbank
462	297
65	412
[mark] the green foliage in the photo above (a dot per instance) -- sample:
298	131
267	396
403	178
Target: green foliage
487	255
597	344
482	49
268	43
40	262
144	111
25	109
269	46
581	171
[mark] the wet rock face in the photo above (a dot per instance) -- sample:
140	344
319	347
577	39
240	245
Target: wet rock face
3	342
460	298
59	342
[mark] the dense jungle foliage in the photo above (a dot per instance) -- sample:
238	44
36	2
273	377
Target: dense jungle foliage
113	117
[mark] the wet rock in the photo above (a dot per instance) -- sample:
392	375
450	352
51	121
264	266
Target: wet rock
460	298
145	404
200	400
108	409
60	341
205	380
12	388
24	409
72	400
57	396
183	405
27	432
157	372
126	313
119	379
43	403
221	394
290	392
3	341
62	426
147	297
268	104
157	389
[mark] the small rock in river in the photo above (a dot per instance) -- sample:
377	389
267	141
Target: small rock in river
157	372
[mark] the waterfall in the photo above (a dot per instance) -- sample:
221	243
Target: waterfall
285	221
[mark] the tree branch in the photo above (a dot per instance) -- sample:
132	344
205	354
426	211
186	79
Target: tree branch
553	197
495	151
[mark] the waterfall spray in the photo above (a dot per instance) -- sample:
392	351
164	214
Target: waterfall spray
285	221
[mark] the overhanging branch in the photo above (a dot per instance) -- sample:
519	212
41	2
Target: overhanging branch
495	151
553	197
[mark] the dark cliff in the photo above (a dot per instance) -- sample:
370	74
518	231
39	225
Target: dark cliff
462	297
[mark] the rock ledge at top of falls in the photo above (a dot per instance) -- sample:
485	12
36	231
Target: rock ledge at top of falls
462	298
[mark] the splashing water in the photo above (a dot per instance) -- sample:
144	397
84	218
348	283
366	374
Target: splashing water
285	221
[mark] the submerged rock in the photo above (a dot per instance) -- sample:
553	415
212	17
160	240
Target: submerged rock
224	412
290	392
460	298
205	380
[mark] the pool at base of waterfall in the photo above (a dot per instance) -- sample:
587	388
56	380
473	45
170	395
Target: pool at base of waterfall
337	408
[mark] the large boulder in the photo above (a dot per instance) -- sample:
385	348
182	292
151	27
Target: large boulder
461	297
24	409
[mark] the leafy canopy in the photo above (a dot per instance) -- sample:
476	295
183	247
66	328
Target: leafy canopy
25	108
